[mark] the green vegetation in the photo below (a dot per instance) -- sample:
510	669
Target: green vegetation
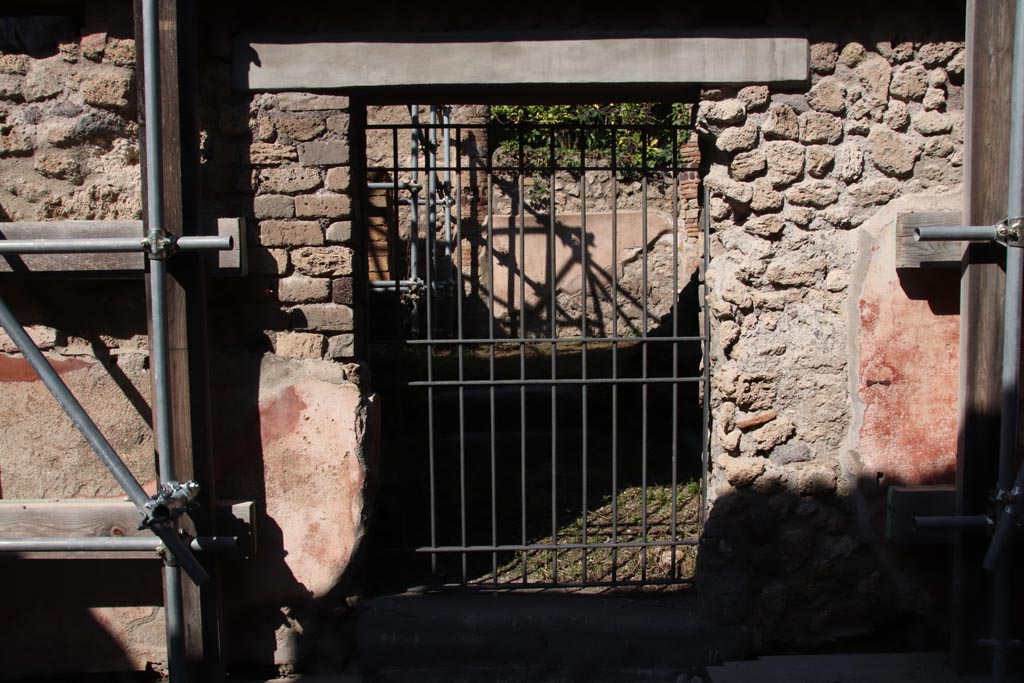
632	134
626	564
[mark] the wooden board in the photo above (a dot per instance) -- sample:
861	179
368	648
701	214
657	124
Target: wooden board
83	518
231	263
911	253
986	164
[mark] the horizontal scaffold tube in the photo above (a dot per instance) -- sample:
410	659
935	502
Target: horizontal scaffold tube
970	233
108	543
109	245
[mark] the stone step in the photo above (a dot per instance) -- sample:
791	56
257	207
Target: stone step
537	638
838	668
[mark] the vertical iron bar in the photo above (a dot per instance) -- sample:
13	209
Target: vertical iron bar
490	356
615	358
643	387
446	138
553	266
522	346
462	389
675	345
1002	588
428	279
705	443
414	213
584	333
395	206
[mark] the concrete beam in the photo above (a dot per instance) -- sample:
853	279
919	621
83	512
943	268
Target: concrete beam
350	63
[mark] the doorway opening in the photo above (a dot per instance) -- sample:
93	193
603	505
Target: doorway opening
537	334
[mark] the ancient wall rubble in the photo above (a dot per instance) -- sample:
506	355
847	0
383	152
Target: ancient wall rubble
794	175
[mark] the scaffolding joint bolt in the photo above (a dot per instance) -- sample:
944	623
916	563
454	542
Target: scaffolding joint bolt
159	247
1010	232
172	500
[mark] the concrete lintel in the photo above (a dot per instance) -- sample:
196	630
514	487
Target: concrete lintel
352	63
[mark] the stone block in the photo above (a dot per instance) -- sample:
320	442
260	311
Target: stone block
820	160
339	123
274	206
725	112
301	127
340	232
271	154
828	95
312	102
289	180
107	87
737	139
814	193
341	290
323	261
824	57
333	153
781	123
747	165
44	337
909	82
278	233
299	345
785	162
298	289
338	179
819	127
323	206
14	64
892	153
755	97
937	54
10	87
849	163
932	123
341	346
323	317
896	116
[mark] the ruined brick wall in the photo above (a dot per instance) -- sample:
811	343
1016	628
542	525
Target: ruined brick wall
804	188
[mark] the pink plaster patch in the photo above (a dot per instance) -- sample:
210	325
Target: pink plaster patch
909	360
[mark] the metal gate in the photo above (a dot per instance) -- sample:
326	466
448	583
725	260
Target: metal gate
538	336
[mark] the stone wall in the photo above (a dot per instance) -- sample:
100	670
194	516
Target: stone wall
292	416
804	185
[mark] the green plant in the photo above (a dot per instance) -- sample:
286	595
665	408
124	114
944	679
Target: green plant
629	134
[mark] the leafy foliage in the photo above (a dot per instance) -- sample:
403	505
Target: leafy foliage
629	134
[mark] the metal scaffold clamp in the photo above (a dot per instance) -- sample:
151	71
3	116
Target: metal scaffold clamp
159	246
1010	232
172	500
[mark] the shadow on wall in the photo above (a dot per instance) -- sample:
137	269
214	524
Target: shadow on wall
788	557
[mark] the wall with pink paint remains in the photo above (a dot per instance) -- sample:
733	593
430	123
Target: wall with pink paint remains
908	350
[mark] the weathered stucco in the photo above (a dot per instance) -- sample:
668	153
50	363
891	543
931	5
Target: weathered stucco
907	350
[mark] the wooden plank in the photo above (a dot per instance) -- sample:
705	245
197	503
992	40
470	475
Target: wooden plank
395	61
986	163
185	294
78	517
232	263
910	253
